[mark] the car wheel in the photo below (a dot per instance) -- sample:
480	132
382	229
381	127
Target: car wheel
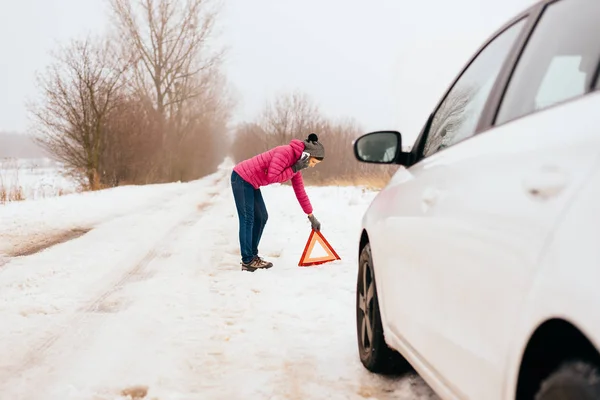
375	354
573	381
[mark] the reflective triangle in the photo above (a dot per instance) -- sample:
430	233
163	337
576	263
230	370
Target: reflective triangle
308	259
319	250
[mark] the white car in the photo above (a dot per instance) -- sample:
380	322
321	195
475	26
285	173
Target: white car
480	260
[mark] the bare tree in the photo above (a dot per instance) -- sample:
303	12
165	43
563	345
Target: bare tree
170	46
199	129
294	115
340	166
288	116
131	142
177	68
250	139
78	92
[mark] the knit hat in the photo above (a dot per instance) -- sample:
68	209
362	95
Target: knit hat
313	147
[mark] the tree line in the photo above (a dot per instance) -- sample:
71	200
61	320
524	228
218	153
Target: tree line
293	116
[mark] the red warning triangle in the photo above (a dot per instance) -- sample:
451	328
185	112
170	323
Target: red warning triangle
306	260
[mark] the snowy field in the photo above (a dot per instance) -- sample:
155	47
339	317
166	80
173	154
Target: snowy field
139	292
34	178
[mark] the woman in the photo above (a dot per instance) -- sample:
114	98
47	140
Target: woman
277	165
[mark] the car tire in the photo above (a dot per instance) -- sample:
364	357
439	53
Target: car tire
573	381
374	353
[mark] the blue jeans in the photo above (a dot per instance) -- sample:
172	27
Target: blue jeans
252	214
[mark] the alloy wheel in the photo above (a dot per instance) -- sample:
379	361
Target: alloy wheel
366	290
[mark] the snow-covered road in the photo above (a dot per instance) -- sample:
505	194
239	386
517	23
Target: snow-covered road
152	300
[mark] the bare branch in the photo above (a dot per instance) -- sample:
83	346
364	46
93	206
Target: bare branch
170	42
78	90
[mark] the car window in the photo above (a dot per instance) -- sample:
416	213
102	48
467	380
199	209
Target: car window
559	61
456	118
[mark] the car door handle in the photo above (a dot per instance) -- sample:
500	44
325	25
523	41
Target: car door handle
547	182
429	198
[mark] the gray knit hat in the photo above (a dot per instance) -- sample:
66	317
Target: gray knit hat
313	147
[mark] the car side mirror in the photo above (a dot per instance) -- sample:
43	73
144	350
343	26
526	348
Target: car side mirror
381	147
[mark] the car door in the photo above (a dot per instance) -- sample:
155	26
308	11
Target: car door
409	239
493	200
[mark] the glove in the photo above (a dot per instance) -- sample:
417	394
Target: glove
316	225
300	164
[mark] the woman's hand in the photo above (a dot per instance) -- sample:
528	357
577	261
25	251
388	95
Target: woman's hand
316	225
301	164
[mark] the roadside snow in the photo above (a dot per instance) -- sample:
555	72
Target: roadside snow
31	221
152	299
35	177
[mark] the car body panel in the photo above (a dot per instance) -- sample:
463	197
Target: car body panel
567	283
453	232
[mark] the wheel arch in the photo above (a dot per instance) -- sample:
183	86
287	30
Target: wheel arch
364	239
554	342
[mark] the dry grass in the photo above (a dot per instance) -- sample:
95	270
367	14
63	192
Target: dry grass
373	179
10	188
10	194
20	182
135	392
369	182
370	177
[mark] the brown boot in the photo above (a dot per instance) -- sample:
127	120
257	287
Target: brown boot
256	263
266	263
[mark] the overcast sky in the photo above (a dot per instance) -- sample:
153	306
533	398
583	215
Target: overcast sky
382	62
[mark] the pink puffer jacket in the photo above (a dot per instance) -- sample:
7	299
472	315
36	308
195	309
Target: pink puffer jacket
274	166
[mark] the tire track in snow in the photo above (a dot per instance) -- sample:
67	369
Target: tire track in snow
94	309
36	354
